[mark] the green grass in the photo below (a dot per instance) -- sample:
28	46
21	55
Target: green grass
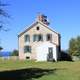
63	70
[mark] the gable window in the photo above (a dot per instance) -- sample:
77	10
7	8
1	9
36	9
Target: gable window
49	37
38	37
27	38
27	49
37	27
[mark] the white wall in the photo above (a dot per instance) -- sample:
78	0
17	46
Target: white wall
42	51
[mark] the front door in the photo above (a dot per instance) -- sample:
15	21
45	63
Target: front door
50	54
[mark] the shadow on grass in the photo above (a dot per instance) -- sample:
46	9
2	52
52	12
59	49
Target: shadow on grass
25	74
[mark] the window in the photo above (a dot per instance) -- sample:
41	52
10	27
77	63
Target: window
27	57
27	38
35	38
37	28
49	37
27	49
38	37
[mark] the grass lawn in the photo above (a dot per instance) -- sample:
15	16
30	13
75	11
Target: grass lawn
30	70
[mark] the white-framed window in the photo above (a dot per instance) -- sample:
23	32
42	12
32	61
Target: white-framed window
27	38
27	49
49	37
40	37
37	37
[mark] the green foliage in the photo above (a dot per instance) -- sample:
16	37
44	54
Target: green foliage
74	46
14	53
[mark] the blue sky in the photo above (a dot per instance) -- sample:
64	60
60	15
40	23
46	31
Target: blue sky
64	17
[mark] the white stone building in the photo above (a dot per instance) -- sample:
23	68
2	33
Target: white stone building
39	42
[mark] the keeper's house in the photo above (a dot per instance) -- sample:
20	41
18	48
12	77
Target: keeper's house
39	42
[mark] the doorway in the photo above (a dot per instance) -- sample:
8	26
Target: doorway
50	54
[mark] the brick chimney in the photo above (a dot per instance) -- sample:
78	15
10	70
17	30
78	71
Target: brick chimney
43	19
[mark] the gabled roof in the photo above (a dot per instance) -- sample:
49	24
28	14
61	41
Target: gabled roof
35	23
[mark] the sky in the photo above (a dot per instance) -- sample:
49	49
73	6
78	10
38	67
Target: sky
64	17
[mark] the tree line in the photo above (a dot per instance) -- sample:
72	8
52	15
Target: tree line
74	46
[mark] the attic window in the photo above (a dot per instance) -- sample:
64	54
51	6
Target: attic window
37	27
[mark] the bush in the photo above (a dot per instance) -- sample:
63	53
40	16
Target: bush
15	53
65	56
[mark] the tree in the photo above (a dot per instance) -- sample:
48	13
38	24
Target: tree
2	11
1	48
4	14
74	46
15	53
